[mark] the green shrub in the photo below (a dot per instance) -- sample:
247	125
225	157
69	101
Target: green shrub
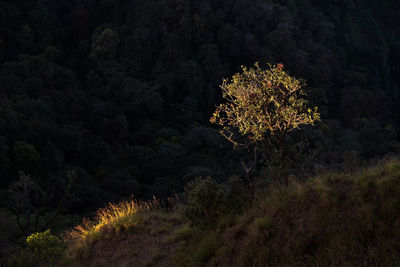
42	249
209	200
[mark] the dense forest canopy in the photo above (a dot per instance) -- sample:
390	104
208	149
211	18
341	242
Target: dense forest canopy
103	99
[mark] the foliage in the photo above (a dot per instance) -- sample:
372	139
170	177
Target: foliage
207	200
25	199
25	154
34	208
42	249
265	105
105	45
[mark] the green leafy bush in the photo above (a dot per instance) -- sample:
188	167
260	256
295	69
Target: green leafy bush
42	249
209	200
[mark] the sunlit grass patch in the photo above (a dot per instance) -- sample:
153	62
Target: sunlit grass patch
129	215
116	216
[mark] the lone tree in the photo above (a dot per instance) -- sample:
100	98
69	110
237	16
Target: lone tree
264	105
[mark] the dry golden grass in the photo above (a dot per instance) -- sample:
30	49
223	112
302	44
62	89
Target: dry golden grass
143	225
115	215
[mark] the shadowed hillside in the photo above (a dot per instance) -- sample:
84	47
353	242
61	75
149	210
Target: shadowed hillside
334	219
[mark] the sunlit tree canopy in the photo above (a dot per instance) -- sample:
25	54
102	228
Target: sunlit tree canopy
263	103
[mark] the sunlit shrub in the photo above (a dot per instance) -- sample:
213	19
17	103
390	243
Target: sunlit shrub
42	249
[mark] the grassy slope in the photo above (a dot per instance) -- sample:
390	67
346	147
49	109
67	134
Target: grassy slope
338	219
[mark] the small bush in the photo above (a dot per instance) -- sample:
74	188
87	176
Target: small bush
42	249
209	200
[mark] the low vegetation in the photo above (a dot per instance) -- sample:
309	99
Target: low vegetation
119	224
337	219
332	219
120	216
42	249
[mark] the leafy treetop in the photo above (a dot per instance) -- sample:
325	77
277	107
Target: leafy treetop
263	104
